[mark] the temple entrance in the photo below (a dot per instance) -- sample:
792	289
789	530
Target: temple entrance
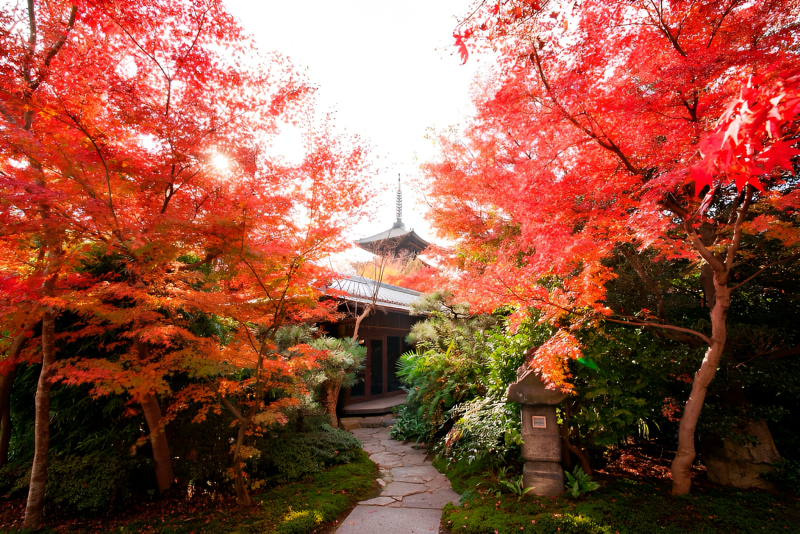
380	376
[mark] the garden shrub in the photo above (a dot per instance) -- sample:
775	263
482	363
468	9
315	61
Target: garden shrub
488	426
621	383
786	475
202	449
445	368
482	428
94	482
436	381
14	479
85	484
457	380
287	456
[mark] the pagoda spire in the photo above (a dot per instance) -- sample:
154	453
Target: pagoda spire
399	222
396	240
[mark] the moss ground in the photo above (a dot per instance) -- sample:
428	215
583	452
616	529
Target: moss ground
622	506
304	507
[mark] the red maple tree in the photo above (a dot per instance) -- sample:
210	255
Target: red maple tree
622	123
138	133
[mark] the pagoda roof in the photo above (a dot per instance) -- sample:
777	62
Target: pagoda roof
396	237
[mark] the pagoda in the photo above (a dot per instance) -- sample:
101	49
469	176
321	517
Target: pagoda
395	242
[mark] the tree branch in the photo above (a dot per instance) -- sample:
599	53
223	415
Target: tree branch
790	258
225	401
664	28
670	205
608	144
737	232
784	353
665	326
719	22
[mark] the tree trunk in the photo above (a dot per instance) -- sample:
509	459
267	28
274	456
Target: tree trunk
6	383
41	447
158	439
682	464
579	454
360	318
330	396
566	460
242	495
36	489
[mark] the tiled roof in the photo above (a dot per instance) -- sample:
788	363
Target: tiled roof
392	233
361	289
395	238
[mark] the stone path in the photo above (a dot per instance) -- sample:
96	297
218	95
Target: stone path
413	495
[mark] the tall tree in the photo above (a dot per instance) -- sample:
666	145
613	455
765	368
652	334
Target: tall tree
599	130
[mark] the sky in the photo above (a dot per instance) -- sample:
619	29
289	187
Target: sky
388	70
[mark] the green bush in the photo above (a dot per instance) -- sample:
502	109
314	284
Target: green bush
202	449
786	475
14	480
446	368
487	425
436	381
483	428
85	484
622	381
287	456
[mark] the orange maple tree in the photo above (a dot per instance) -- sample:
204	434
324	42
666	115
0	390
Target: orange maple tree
665	127
138	134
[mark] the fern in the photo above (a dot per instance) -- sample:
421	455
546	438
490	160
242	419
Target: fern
579	482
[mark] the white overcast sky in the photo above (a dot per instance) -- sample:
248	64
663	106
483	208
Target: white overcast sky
388	70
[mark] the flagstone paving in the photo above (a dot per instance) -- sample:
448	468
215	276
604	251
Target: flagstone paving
413	494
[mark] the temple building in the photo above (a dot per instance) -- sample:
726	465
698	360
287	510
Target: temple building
384	330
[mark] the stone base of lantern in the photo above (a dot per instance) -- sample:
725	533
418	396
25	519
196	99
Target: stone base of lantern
541	446
546	478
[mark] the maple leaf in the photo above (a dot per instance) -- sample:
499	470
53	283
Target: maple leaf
779	154
462	48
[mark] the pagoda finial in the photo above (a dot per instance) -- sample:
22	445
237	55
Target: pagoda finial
399	221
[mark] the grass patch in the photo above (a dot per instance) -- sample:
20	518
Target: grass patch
621	506
303	507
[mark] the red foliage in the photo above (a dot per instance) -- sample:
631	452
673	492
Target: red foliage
591	121
130	119
601	128
424	280
135	143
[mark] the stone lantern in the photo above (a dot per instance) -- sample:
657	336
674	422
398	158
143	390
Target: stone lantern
542	442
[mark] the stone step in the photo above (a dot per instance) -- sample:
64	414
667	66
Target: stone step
372	421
